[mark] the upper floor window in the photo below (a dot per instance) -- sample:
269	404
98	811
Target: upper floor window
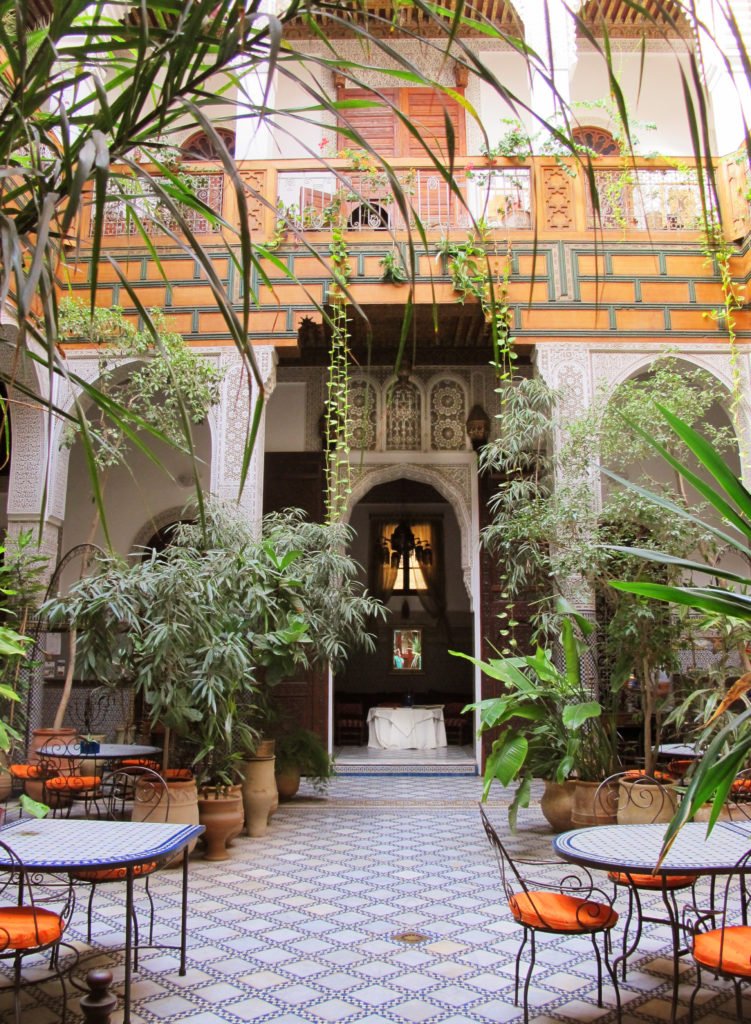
426	109
201	146
596	139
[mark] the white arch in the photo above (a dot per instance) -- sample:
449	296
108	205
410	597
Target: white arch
461	505
718	364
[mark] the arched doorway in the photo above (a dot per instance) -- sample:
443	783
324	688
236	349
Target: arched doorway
409	542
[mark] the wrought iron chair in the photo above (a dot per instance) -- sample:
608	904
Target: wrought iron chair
124	788
64	784
723	948
25	927
570	906
642	799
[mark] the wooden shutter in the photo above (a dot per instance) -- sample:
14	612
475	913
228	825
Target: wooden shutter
382	129
427	110
377	124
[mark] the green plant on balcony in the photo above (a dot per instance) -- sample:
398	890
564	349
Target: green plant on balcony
393	268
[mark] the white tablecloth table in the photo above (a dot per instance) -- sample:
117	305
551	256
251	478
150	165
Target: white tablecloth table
418	728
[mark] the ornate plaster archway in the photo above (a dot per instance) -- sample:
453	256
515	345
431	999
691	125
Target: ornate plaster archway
456	482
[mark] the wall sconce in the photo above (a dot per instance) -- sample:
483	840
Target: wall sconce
478	426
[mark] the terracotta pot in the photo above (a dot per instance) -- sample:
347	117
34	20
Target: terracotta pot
557	803
237	791
259	794
42	738
584	814
641	803
149	804
729	812
220	815
288	783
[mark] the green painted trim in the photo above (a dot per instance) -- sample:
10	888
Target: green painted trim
562	267
637	290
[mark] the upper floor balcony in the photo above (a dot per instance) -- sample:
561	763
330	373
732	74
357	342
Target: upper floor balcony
290	199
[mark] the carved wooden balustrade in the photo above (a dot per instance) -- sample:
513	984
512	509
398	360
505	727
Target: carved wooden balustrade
552	196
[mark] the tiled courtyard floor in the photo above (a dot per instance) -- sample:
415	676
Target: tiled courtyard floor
300	926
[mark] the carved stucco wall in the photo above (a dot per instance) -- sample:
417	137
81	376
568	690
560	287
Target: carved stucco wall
456	482
29	458
231	422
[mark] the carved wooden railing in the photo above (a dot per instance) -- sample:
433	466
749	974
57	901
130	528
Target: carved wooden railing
548	195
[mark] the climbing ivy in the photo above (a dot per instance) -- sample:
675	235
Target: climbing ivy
338	428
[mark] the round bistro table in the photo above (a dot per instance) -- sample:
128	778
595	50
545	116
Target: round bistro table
635	849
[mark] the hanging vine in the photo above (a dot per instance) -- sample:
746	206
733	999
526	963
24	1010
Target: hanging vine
718	251
338	426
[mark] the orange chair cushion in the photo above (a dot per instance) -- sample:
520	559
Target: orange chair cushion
28	927
74	783
741	787
637	773
736	950
177	774
113	874
27	771
652	881
141	762
560	912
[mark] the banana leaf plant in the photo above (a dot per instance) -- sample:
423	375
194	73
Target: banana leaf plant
729	594
550	725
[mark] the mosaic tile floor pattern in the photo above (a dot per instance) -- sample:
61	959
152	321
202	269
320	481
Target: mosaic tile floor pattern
299	926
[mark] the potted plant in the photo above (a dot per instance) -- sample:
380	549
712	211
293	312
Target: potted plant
301	753
550	725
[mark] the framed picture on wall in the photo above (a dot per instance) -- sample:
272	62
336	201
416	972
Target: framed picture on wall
406	651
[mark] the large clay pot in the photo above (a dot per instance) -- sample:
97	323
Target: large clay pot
237	791
259	794
643	803
288	783
220	814
729	812
584	813
150	804
42	738
557	803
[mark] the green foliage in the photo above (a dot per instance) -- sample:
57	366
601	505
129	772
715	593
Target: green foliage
168	384
393	268
302	750
206	627
336	409
548	723
546	535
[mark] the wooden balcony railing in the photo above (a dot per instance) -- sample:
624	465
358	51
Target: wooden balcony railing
547	195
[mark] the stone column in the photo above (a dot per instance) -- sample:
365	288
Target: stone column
231	423
566	368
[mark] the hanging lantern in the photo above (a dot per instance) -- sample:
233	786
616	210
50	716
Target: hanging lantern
478	426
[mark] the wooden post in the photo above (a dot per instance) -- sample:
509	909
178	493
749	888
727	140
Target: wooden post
99	1003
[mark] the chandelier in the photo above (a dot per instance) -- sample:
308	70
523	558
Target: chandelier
401	544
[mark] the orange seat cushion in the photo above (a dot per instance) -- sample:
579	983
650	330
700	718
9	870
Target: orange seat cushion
652	881
735	950
741	787
28	927
141	762
560	912
77	783
113	874
27	771
636	773
179	774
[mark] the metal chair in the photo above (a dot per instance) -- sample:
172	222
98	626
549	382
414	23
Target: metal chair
64	784
123	788
26	928
642	799
458	726
570	906
724	948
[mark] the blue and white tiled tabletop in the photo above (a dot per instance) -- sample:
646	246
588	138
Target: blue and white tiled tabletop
59	843
637	847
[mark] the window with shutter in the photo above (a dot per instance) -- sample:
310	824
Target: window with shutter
383	130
